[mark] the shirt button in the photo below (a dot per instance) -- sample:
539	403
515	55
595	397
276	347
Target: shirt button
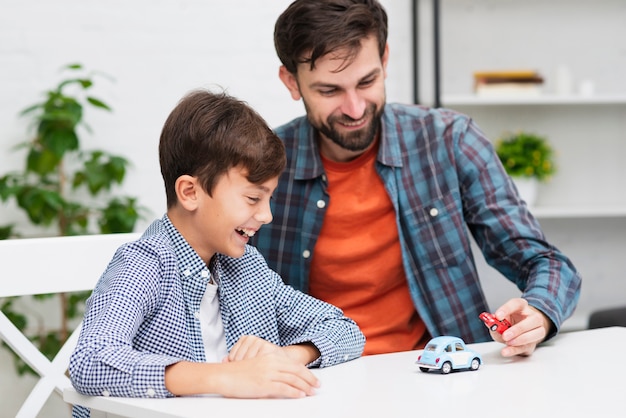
187	272
106	393
196	314
321	204
204	274
306	253
434	212
150	393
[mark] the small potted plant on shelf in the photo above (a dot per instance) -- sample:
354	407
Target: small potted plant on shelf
529	159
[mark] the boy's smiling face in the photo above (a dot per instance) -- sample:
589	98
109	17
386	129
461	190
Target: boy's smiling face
222	223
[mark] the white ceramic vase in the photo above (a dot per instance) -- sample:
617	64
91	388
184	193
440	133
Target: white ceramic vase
527	188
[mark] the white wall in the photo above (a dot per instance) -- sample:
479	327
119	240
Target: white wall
159	50
156	51
586	37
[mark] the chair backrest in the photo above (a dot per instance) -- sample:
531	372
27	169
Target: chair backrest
31	266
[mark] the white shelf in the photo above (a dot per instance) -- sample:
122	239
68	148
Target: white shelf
578	212
545	99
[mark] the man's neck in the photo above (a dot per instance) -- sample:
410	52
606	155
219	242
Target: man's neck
336	153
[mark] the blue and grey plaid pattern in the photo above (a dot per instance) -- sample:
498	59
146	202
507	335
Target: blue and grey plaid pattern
444	179
141	316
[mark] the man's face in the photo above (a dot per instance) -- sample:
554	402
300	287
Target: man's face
344	106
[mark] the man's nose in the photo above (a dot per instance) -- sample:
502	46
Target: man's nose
353	105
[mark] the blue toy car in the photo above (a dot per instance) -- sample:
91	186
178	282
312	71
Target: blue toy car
447	353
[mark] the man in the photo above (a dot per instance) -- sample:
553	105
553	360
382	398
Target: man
373	211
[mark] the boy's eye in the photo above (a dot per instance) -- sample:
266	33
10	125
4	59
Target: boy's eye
254	199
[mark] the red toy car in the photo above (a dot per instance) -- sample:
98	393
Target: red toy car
493	323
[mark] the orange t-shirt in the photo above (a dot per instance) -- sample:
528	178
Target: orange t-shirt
357	261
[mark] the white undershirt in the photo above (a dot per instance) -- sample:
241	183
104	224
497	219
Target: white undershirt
211	325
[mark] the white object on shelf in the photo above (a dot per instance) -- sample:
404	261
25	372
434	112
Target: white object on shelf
527	188
564	80
586	88
509	90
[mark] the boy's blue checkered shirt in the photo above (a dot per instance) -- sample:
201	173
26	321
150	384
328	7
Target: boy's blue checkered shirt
141	316
445	182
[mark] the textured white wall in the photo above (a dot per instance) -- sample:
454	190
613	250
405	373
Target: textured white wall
158	50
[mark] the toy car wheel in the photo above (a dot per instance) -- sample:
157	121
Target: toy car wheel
475	364
446	367
494	327
424	369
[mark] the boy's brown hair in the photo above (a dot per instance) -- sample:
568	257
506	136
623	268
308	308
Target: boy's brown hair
310	29
208	133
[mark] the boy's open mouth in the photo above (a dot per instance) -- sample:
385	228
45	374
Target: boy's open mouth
244	232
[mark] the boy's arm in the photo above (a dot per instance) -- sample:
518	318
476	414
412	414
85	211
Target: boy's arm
304	353
314	326
249	346
266	376
104	360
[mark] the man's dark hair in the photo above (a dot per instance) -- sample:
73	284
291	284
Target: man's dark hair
310	29
208	133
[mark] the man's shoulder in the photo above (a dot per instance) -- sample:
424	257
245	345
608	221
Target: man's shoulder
419	111
300	123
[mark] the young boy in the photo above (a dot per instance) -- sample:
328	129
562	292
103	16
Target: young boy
190	308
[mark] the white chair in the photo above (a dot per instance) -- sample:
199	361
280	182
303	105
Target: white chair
33	266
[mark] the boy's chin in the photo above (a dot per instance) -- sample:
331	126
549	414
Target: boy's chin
235	252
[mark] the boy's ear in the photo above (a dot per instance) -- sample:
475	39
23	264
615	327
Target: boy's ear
289	80
187	192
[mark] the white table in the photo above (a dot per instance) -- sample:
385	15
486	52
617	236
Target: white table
577	374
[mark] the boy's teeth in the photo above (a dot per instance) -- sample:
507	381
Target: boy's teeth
246	232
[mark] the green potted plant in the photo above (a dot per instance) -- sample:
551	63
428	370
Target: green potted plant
528	158
66	188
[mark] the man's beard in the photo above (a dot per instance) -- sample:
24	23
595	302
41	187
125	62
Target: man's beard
353	141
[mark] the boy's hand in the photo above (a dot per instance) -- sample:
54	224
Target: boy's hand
529	328
250	346
272	375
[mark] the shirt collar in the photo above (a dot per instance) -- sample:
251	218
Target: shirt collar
191	265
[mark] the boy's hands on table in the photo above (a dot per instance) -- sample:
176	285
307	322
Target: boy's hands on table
254	368
250	346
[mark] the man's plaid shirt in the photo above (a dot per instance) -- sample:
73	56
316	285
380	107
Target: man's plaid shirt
445	182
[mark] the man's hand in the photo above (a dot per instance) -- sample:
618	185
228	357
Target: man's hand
529	328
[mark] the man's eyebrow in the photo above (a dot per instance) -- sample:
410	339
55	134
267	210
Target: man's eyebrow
322	84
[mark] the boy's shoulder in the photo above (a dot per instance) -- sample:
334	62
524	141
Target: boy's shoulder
155	242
